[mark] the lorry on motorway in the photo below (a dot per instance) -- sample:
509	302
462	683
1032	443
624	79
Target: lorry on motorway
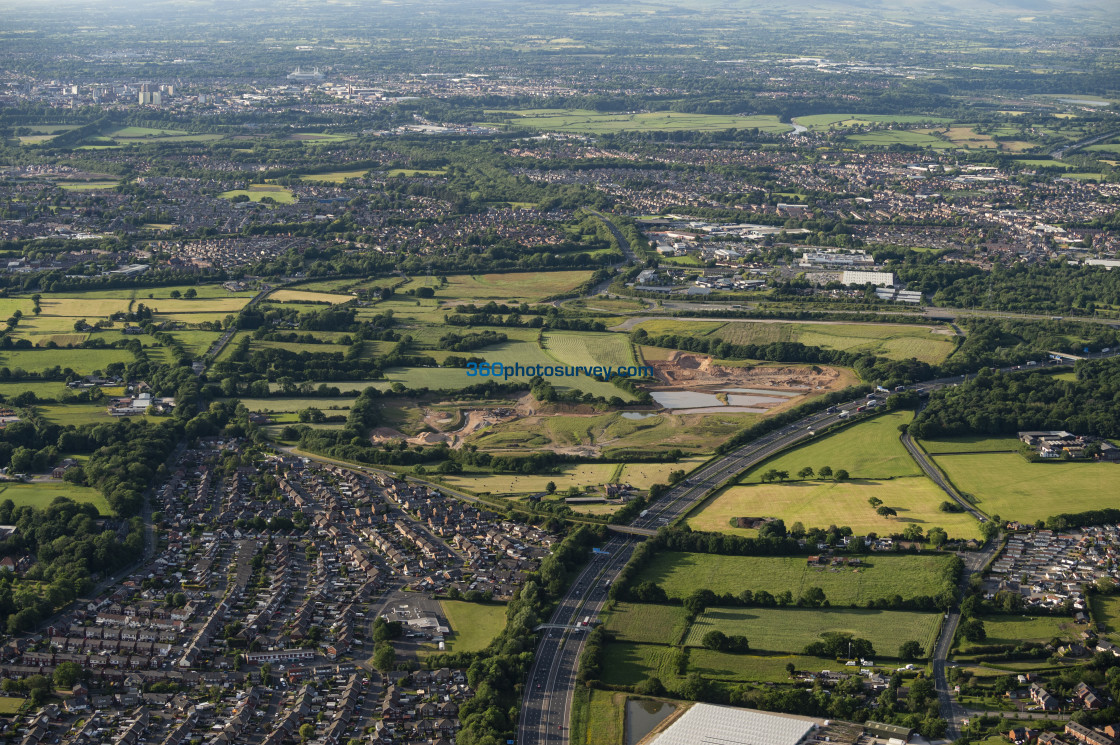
845	414
643	513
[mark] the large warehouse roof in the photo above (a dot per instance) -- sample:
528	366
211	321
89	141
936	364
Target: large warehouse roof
705	724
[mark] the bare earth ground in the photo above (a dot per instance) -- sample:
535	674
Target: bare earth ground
686	371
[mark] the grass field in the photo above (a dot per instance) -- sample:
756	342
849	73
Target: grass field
659	326
740	668
76	413
10	705
971	444
884	576
589	349
334	177
415	172
868	450
1016	629
473	625
82	361
591	122
304	296
606	718
819	504
515	287
642	622
791	629
40	495
256	192
627	664
638	475
86	185
847	121
964	136
925	343
1008	486
1106	610
899	137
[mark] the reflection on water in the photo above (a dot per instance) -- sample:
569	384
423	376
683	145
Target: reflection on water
685	399
642	716
636	415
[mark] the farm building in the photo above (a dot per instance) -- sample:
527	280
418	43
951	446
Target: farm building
706	723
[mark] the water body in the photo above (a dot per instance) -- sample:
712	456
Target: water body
1084	101
738	399
643	716
797	128
636	415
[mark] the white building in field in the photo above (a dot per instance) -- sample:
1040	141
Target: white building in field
707	724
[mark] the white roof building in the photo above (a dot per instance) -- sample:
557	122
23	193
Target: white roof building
883	279
706	724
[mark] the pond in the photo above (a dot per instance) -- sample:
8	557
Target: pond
637	415
642	716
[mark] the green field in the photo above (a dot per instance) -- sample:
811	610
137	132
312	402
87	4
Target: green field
847	121
81	361
282	296
256	192
415	172
659	326
626	663
883	576
899	137
1106	610
971	445
638	475
819	504
641	622
86	185
473	625
589	349
40	495
1008	486
868	450
897	342
580	120
1017	629
791	629
606	719
514	287
334	177
10	705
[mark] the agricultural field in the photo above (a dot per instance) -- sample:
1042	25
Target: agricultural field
1016	629
408	172
529	287
821	503
589	349
591	122
791	629
76	413
867	450
473	625
626	663
642	622
1005	484
847	121
257	192
882	576
606	718
86	185
964	136
41	494
894	341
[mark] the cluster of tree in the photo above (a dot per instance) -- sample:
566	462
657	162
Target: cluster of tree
1054	287
471	341
838	644
516	320
69	545
718	641
995	403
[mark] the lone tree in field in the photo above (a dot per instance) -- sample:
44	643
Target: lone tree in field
840	475
910	650
824	471
875	502
886	512
805	473
550	487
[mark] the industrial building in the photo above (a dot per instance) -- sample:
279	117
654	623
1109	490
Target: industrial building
854	277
